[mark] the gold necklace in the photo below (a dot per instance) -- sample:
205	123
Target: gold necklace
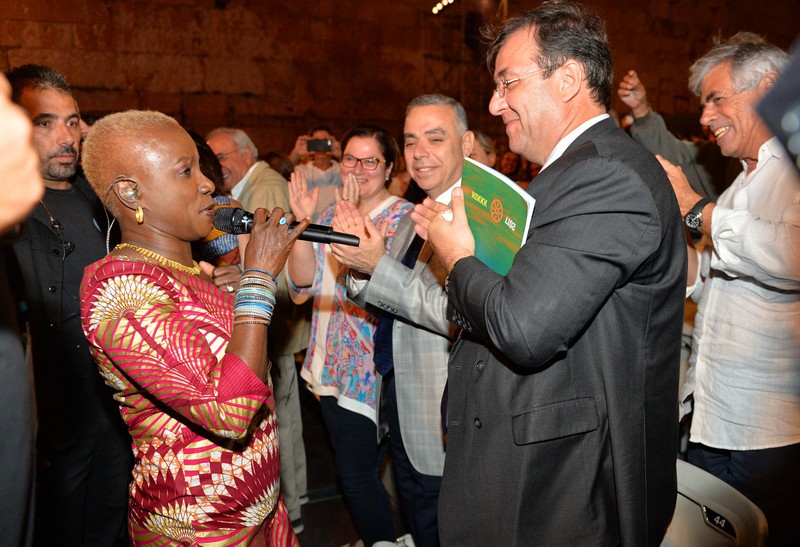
194	270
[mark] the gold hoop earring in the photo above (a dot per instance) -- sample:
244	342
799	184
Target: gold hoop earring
139	215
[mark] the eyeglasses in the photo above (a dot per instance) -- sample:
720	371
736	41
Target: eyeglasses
222	155
369	164
502	86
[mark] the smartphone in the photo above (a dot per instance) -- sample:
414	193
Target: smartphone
319	145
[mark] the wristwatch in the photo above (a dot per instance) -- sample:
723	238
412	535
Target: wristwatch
694	218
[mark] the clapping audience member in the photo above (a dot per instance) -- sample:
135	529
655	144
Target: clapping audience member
413	338
83	451
701	162
744	371
319	164
21	187
187	359
562	388
339	366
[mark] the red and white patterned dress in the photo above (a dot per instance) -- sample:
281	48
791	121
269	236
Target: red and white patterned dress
205	434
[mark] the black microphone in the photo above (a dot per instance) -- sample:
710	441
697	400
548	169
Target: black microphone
233	220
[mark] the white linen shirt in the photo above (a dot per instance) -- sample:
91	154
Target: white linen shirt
745	364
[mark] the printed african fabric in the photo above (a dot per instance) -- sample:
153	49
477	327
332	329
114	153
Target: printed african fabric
339	357
204	431
217	247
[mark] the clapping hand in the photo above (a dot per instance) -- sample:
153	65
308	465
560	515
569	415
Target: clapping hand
303	202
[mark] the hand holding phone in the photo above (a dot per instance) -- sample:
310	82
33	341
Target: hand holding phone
319	145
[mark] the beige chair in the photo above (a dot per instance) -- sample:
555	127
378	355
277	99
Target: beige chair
711	513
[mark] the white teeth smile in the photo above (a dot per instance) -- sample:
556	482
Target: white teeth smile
721	131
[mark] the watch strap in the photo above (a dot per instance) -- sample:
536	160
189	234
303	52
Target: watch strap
698	207
694	218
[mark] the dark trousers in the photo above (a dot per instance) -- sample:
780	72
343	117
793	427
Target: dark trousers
358	459
767	477
419	493
83	496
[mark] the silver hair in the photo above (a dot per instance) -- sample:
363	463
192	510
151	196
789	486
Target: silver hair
751	58
239	137
442	100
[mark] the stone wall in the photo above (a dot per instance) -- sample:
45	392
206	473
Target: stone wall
278	68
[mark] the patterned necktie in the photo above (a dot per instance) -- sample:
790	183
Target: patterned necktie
384	361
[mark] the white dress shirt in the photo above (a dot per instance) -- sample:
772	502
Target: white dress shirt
745	360
236	191
562	145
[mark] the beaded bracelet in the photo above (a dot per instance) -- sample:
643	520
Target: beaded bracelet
258	270
255	299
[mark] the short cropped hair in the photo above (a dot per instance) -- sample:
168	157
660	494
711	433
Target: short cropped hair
239	137
442	100
751	58
37	78
110	141
386	142
563	30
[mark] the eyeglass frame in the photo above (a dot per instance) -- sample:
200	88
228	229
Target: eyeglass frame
505	83
361	160
222	155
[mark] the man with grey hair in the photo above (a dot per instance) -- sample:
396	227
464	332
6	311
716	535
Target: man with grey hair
255	184
413	338
745	274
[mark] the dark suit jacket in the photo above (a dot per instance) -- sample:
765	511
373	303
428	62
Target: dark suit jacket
563	388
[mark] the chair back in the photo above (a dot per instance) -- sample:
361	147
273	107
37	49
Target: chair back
711	513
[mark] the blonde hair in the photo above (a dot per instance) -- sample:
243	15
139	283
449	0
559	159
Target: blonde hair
111	141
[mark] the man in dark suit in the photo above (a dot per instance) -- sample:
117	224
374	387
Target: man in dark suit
563	387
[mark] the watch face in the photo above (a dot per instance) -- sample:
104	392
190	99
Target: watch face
694	221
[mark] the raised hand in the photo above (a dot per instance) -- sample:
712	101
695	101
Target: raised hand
303	202
365	257
351	190
347	219
633	93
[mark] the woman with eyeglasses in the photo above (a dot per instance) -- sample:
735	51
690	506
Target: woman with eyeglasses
187	359
339	365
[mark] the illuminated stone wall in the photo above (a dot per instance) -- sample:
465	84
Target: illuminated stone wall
278	68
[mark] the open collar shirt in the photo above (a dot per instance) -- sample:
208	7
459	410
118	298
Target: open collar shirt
745	371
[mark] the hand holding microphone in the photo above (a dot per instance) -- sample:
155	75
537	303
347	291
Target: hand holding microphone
233	220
